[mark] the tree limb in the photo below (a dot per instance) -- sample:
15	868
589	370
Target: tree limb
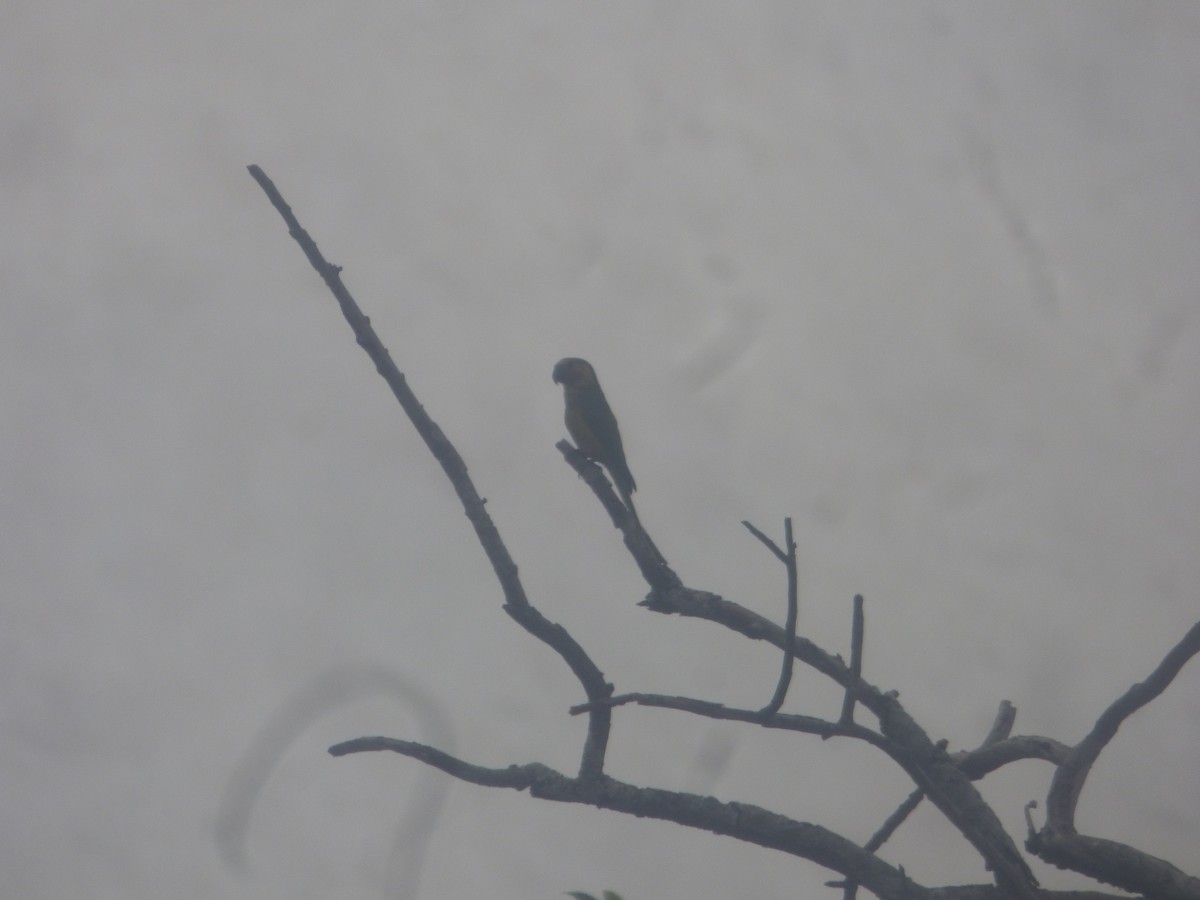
930	768
857	629
1108	861
788	558
516	603
743	821
1071	775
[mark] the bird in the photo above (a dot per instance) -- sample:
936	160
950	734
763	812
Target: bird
591	423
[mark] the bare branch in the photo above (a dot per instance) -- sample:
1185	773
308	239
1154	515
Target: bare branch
649	560
999	749
743	821
1069	779
767	542
857	628
517	777
990	757
895	820
1002	726
1108	861
929	766
516	604
1117	864
944	779
781	721
788	558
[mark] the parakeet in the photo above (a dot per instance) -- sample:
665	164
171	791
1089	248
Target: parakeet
591	423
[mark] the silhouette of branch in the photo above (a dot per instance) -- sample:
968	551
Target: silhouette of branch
788	558
1104	860
781	721
1069	779
945	779
650	561
880	837
928	765
857	628
1002	725
516	604
743	821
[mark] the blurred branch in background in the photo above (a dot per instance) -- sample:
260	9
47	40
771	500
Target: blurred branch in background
943	779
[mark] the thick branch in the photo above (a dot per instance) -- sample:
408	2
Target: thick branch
930	767
743	821
990	757
1116	864
780	721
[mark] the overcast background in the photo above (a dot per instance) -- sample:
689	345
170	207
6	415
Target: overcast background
921	275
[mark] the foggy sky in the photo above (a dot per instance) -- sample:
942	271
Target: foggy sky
920	275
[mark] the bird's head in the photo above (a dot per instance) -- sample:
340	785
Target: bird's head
574	373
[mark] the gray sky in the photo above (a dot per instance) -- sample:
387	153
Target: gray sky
921	275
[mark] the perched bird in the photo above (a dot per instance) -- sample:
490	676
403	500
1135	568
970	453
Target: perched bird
591	423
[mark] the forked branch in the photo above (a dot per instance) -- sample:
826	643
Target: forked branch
944	779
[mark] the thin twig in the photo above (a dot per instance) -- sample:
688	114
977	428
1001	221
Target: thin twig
886	830
788	558
710	710
767	542
895	820
857	629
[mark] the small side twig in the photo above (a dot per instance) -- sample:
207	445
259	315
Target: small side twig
823	728
1002	726
857	628
788	558
895	820
884	834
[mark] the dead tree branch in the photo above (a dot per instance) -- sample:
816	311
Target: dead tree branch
1108	861
516	604
944	779
857	629
788	558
